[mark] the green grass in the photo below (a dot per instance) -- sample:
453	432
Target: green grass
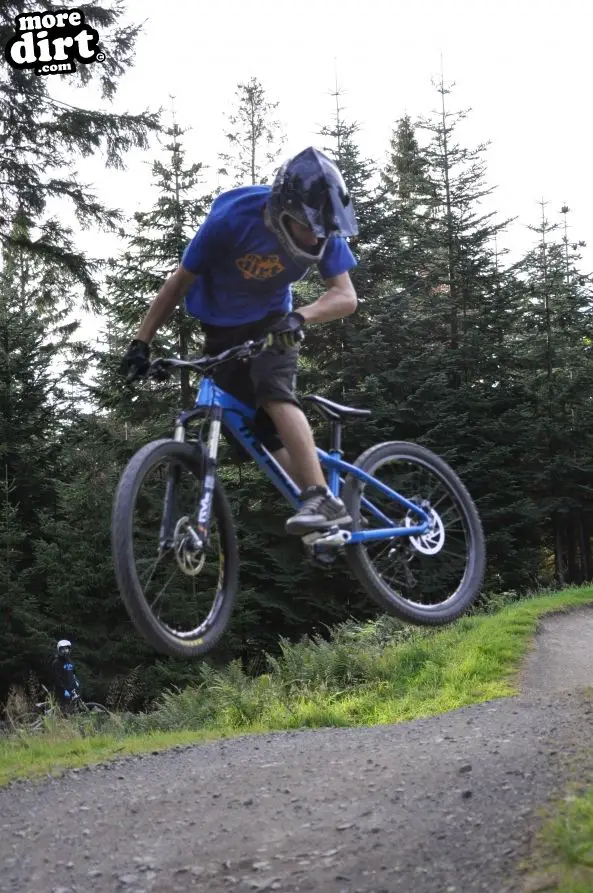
564	849
381	672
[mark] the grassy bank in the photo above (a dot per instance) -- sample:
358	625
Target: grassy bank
381	672
564	850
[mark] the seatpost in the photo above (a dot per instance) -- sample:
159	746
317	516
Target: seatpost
335	437
335	450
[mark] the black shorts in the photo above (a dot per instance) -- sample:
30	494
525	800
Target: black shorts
269	376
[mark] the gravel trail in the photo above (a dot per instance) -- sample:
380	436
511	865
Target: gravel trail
446	804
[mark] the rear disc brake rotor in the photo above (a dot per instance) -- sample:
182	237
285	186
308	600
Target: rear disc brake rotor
432	541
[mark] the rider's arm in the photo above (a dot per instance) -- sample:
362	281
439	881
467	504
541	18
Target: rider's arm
199	254
340	298
338	301
165	302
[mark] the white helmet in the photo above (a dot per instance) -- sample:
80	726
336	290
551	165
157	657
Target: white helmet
64	648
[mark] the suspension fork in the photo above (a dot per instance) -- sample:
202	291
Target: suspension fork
199	534
204	509
166	532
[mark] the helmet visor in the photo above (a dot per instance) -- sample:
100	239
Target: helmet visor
315	187
333	218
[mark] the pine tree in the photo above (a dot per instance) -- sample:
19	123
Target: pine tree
35	341
330	349
23	634
408	195
34	337
254	140
458	226
154	252
435	373
359	173
40	135
558	373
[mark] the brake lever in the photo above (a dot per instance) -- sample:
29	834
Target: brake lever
161	374
251	349
159	371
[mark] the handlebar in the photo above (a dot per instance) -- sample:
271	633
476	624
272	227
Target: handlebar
160	366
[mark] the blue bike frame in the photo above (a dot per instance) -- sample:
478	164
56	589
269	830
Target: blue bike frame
236	416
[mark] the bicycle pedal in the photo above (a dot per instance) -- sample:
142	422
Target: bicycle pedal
335	536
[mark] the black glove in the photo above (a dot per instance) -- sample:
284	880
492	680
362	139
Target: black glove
287	331
135	362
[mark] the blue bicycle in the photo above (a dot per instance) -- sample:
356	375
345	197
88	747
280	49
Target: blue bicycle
421	557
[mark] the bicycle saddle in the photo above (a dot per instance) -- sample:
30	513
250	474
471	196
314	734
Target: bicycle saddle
332	411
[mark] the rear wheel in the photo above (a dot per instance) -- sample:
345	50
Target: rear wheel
180	598
430	579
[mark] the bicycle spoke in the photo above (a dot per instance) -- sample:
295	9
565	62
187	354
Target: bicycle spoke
162	591
150	576
422	568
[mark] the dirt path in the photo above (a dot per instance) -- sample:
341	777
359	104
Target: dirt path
446	804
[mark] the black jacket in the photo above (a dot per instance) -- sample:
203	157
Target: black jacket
64	677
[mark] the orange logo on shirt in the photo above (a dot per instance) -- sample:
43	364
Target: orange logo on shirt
255	266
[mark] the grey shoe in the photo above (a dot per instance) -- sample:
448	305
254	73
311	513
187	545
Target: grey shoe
319	510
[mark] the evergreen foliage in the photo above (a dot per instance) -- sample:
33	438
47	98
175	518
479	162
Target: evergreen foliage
487	362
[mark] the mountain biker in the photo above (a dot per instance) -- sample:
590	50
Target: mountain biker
236	275
66	684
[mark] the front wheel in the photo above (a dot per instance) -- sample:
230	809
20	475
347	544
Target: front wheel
180	597
429	579
93	707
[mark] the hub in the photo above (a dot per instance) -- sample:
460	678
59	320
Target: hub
189	550
432	541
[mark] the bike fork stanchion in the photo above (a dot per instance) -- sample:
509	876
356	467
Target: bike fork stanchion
209	479
166	534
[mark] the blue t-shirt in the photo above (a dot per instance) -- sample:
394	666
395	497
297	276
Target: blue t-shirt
243	271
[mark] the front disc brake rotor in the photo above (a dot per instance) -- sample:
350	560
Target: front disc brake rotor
189	558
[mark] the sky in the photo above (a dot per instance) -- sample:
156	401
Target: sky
524	68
